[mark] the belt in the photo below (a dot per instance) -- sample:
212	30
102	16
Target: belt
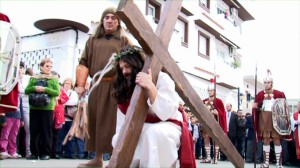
108	78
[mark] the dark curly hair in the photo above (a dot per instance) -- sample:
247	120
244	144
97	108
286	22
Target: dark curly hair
124	87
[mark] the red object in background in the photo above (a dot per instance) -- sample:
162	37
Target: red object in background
3	17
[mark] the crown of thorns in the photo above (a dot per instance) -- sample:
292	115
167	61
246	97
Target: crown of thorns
128	51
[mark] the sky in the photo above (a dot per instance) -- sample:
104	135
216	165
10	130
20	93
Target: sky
271	41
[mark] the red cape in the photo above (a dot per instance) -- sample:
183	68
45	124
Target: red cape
295	116
9	102
218	104
259	98
186	154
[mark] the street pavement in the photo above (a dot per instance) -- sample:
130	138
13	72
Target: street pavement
72	163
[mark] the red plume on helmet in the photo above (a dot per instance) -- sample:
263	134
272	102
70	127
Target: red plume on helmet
212	84
3	17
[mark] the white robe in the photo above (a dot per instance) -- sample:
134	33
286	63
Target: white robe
159	142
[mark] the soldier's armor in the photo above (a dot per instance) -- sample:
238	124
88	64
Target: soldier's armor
10	43
267	104
210	106
281	117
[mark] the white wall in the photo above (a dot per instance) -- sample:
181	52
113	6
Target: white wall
60	46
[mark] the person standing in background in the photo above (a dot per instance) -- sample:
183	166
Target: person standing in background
58	121
249	151
41	116
9	133
107	39
29	72
8	139
249	155
24	135
194	121
241	133
232	125
69	147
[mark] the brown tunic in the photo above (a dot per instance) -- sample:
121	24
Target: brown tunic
266	128
102	106
265	121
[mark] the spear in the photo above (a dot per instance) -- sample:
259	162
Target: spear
253	117
215	95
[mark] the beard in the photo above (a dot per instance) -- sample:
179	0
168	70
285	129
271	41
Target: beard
124	85
128	85
129	81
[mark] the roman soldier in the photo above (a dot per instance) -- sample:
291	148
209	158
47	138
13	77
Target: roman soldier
262	110
216	107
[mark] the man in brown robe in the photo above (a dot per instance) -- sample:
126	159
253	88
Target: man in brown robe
102	107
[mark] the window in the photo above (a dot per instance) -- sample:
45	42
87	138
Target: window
153	8
182	28
203	45
220	11
222	8
204	3
151	11
221	55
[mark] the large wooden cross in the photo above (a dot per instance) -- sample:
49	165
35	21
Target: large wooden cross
155	46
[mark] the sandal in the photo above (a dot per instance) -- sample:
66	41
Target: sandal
264	165
279	166
15	156
205	161
214	161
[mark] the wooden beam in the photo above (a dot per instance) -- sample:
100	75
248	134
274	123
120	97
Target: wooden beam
155	47
137	110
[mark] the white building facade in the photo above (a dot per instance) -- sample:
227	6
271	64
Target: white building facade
206	41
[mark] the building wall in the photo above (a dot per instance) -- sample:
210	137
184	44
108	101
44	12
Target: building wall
62	48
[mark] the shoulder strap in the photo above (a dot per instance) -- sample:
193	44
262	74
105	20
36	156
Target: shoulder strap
91	45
